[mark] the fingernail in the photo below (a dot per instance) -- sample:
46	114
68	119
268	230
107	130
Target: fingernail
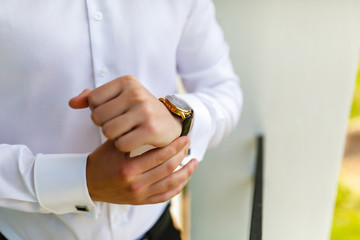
195	162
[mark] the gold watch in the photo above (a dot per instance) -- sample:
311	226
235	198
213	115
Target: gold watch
179	108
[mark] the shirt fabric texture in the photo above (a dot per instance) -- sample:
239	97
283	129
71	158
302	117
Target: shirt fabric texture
49	52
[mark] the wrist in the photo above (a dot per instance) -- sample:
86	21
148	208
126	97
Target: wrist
178	125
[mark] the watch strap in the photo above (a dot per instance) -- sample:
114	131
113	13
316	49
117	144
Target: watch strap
187	123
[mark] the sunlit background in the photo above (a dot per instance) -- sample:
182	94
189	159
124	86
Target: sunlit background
346	223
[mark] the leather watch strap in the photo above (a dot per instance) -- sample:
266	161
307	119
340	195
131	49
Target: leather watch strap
186	126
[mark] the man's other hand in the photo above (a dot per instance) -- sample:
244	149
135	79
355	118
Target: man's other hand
129	114
114	177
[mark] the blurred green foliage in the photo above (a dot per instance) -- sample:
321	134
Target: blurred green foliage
346	223
355	110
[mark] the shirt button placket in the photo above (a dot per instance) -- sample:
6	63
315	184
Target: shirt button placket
101	71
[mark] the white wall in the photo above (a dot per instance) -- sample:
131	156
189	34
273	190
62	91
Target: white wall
297	61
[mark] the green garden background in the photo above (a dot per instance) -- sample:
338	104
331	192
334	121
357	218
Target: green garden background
346	222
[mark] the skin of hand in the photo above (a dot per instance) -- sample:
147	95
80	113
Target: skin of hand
115	177
129	114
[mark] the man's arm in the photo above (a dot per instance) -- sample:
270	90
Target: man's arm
61	183
205	68
133	117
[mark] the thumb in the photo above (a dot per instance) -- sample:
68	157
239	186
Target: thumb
80	101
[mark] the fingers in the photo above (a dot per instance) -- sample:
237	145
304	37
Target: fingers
80	101
114	177
162	197
156	157
166	168
170	186
109	110
110	90
120	125
102	94
142	129
131	140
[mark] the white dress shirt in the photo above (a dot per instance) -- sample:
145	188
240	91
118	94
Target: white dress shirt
49	52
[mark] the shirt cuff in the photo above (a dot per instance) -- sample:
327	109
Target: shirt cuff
60	184
202	129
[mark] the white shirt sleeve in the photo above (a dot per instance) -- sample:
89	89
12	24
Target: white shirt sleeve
206	70
53	183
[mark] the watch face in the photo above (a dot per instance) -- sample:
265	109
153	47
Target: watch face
178	102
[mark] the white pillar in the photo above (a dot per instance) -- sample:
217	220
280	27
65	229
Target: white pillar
297	61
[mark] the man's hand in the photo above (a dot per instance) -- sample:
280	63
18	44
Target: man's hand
114	177
129	114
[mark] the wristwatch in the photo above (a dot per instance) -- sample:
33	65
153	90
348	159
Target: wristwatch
179	108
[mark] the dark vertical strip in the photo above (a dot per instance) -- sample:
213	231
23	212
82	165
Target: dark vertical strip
256	219
2	237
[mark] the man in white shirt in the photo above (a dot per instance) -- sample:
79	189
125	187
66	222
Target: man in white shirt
59	176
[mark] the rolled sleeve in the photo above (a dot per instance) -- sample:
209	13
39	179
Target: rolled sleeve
60	184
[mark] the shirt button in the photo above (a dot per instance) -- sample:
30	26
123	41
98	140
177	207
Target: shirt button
103	72
98	16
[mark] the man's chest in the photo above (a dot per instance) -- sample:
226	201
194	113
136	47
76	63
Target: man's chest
88	41
43	31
